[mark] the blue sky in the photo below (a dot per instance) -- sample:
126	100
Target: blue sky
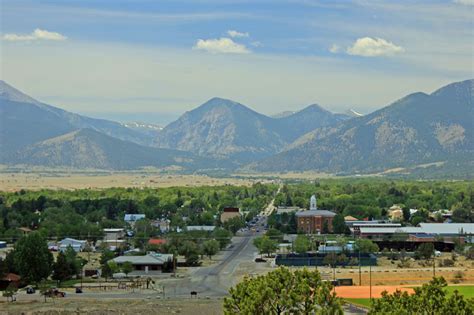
153	60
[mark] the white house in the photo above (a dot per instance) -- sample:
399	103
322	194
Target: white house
132	218
77	245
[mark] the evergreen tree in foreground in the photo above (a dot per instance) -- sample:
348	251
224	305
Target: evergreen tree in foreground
431	298
283	292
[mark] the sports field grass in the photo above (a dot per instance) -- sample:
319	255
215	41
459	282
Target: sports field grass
466	290
360	302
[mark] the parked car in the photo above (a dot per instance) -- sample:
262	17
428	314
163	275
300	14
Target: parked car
30	290
55	293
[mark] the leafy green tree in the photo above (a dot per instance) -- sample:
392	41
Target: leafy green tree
106	271
283	292
275	235
61	268
106	256
339	224
127	267
366	246
325	229
223	236
190	250
44	289
265	245
10	292
32	258
210	248
302	244
431	298
234	224
425	251
3	268
73	261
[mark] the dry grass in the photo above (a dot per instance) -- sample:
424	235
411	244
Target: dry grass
59	180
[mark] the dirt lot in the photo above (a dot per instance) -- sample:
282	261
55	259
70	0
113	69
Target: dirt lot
101	307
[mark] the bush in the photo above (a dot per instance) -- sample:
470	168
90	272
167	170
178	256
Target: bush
458	276
446	263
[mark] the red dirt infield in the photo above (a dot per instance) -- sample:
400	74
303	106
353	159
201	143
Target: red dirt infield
363	292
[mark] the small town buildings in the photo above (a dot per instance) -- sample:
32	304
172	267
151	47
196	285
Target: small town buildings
133	218
156	241
230	213
163	225
207	228
355	226
426	232
24	230
10	279
395	213
77	245
114	238
350	219
281	210
149	264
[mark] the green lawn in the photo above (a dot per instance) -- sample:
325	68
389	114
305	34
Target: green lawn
361	302
466	290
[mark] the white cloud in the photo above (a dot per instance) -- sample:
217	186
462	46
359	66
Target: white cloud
37	34
221	46
334	49
374	47
465	2
235	34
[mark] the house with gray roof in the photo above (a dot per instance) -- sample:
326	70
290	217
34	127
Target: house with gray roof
149	264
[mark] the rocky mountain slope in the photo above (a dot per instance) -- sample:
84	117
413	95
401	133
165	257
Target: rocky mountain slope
24	121
229	130
414	130
88	148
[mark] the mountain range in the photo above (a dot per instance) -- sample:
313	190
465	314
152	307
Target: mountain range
226	129
415	130
419	129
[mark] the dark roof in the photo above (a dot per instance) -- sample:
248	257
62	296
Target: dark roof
315	213
11	277
231	209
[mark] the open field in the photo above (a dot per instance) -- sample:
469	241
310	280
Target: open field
73	180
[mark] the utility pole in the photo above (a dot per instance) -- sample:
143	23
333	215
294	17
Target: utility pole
370	280
360	271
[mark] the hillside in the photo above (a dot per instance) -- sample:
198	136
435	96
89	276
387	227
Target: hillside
414	130
229	130
24	121
87	148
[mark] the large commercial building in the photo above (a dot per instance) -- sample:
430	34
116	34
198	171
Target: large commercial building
314	221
